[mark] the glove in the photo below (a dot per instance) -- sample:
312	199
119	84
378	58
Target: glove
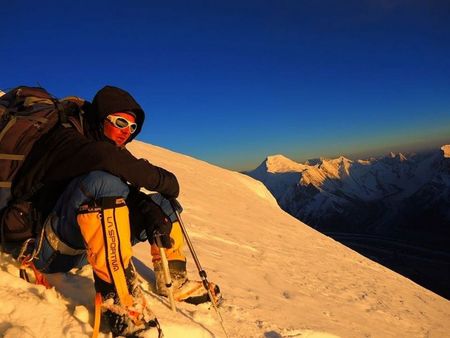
176	205
158	223
168	205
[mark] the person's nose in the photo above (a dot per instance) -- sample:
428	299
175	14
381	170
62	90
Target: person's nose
126	131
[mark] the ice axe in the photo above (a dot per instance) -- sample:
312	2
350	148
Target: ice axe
165	266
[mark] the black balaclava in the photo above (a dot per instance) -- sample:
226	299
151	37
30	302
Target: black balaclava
110	100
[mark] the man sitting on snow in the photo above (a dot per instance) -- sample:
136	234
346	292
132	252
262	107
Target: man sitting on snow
89	191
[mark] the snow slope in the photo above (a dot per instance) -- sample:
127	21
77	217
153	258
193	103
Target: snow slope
279	277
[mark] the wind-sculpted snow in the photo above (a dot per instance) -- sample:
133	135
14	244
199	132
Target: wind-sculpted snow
279	277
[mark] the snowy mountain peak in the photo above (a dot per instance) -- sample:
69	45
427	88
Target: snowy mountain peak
400	157
313	161
335	161
398	196
341	160
446	150
394	176
336	167
281	164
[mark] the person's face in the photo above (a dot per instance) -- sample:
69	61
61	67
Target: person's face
119	126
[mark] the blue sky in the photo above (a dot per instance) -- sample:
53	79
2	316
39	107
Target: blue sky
231	82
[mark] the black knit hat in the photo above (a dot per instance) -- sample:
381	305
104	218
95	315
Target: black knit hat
109	100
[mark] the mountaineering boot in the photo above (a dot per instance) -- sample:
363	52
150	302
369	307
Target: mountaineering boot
177	273
127	320
105	228
184	289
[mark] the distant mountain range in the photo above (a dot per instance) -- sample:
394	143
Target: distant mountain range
397	196
394	210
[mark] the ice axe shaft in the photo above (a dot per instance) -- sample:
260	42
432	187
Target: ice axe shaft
166	271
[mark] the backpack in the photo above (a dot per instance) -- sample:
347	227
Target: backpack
26	114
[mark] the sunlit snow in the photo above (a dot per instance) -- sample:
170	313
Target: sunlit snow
279	277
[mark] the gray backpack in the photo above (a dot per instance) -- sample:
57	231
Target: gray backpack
26	114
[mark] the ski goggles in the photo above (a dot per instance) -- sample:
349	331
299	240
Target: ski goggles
121	122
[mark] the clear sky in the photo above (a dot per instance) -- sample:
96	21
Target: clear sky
231	82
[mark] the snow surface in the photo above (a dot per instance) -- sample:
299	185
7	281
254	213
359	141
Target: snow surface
279	277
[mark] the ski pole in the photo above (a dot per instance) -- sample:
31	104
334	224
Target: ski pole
201	272
165	266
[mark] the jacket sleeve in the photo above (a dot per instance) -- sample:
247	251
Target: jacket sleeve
76	155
